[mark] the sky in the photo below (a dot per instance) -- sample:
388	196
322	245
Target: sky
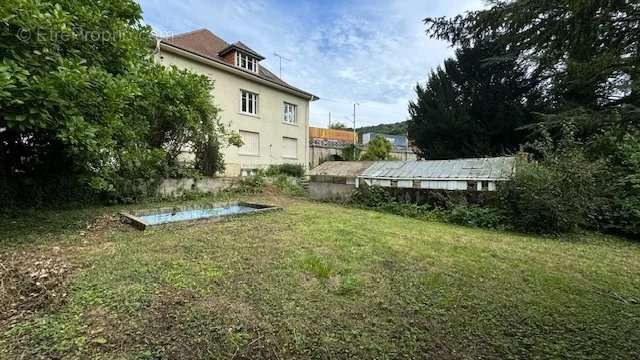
367	52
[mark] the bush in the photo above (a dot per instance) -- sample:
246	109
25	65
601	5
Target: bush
475	216
253	184
351	153
98	112
294	170
371	196
558	194
289	185
621	210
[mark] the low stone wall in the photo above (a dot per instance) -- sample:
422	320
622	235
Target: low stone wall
325	191
177	187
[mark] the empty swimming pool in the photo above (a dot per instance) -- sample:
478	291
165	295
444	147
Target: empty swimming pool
145	218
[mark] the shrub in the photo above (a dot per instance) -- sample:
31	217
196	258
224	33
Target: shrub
621	210
294	170
253	184
98	112
289	185
371	196
455	210
558	194
351	153
486	217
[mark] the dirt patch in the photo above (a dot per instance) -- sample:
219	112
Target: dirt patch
30	282
97	229
184	325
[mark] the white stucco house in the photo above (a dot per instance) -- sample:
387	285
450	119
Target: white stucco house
271	116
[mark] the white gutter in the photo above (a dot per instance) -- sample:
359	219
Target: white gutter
429	179
233	70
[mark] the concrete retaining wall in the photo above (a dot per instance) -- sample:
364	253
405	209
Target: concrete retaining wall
177	187
330	191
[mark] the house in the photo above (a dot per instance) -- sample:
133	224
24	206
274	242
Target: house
399	142
271	116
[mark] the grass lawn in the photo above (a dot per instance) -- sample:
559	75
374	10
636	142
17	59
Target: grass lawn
315	281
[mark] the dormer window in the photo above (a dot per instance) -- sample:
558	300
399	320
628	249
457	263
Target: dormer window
246	61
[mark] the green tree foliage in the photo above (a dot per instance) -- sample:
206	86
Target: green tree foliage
338	126
584	59
82	100
584	54
377	149
474	106
559	193
351	153
621	211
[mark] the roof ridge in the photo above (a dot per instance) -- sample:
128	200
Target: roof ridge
181	35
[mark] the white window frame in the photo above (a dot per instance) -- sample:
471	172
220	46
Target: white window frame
252	101
290	115
247	62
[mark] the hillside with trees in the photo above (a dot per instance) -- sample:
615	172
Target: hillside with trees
399	128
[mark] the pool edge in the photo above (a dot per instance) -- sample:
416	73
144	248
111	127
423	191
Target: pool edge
132	217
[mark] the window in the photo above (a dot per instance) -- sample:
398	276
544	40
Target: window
248	102
289	148
290	113
246	62
251	143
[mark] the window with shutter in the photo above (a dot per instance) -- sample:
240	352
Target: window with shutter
251	143
289	148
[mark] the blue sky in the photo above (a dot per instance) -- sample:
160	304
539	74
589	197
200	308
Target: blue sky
371	52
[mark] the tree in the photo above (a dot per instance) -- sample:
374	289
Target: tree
474	106
584	59
399	128
377	149
84	105
585	55
338	126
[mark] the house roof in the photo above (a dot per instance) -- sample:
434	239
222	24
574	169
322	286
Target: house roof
209	46
497	168
238	45
340	168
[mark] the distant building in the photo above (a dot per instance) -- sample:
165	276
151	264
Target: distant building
400	142
331	136
328	145
479	174
335	180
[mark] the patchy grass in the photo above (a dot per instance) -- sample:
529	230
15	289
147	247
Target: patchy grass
314	281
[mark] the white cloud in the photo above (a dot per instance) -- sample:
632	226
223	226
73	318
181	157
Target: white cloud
370	52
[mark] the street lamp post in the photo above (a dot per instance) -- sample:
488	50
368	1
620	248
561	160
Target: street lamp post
355	136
